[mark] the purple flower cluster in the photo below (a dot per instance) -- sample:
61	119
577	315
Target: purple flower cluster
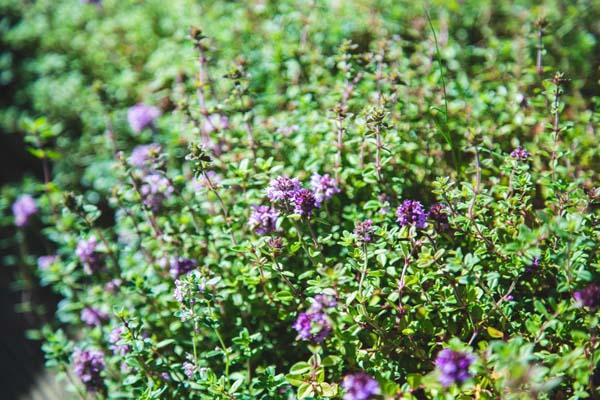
189	369
155	189
282	189
115	341
181	266
588	297
155	186
88	255
453	366
322	301
93	317
438	214
360	386
46	261
263	219
324	188
142	116
181	289
23	208
313	326
411	212
88	366
143	155
304	202
113	285
520	154
276	244
364	231
289	195
533	267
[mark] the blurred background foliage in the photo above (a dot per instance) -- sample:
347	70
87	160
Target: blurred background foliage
82	64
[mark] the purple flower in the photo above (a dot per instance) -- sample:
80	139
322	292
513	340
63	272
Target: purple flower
276	244
282	189
93	316
181	266
384	199
113	285
180	290
88	366
23	208
304	202
411	212
263	219
588	297
533	267
142	116
46	261
312	326
360	386
324	187
87	252
155	189
364	231
144	154
322	301
115	338
520	154
438	214
189	369
453	366
215	122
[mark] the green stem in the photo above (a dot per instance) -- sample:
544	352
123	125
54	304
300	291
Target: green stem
364	269
301	240
194	341
225	352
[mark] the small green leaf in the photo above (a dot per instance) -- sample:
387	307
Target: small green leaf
495	333
305	390
300	368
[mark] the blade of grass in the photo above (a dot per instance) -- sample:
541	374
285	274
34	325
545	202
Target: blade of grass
443	128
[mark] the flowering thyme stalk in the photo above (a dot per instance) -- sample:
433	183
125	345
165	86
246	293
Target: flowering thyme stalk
556	80
203	76
341	109
239	76
200	163
339	122
149	213
375	121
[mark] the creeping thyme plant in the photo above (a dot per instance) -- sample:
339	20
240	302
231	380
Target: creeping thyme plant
310	199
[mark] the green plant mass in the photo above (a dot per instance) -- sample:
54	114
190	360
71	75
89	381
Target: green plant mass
308	199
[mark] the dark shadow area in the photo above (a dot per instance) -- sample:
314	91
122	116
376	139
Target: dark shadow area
21	359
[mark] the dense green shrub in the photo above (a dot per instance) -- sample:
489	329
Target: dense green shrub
320	199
